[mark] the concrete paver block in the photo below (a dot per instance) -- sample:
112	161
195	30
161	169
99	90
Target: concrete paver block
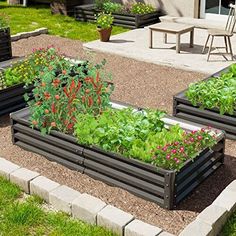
227	199
232	186
6	168
22	178
62	197
114	219
41	186
215	216
197	228
140	228
86	208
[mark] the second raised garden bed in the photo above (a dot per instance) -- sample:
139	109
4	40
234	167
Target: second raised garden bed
164	187
87	12
184	109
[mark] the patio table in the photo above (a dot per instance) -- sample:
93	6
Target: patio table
172	28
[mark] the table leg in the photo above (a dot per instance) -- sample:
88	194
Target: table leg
150	38
177	43
191	38
165	38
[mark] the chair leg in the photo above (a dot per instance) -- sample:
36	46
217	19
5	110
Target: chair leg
226	44
230	49
203	50
209	51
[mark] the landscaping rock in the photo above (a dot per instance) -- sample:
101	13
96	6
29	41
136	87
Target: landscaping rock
227	199
6	168
114	219
197	228
42	186
62	197
215	216
139	228
86	208
22	177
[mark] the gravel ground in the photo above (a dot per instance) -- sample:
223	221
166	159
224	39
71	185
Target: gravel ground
137	83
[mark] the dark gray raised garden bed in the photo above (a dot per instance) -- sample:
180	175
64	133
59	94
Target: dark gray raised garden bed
12	98
87	12
184	109
5	44
166	188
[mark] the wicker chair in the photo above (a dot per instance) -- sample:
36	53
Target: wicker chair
227	33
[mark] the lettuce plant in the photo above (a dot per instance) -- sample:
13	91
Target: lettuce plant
216	93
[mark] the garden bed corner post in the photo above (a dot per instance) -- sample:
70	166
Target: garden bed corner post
169	195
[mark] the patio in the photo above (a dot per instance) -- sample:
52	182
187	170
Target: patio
135	44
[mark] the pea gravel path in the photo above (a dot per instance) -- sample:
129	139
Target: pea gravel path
137	83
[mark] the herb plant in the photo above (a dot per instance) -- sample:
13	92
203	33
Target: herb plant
104	20
141	8
215	93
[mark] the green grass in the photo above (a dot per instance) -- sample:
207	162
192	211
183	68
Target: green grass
230	227
26	218
27	19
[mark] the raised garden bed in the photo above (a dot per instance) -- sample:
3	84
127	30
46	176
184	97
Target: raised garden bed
164	187
87	12
184	109
5	44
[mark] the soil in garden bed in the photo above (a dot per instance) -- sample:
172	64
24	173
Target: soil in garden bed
137	83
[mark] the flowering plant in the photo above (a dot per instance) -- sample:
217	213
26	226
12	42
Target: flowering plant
58	97
141	8
104	20
174	155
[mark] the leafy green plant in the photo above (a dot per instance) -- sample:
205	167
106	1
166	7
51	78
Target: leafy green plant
104	20
141	135
141	8
112	7
99	4
59	97
215	93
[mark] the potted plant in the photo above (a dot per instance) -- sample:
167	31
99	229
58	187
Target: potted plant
5	39
104	26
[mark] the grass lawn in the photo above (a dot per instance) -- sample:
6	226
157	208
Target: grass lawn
230	227
28	218
27	19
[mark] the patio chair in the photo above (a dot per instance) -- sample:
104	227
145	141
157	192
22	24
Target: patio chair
227	33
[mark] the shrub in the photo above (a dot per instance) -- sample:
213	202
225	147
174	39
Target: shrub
104	20
141	8
219	93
